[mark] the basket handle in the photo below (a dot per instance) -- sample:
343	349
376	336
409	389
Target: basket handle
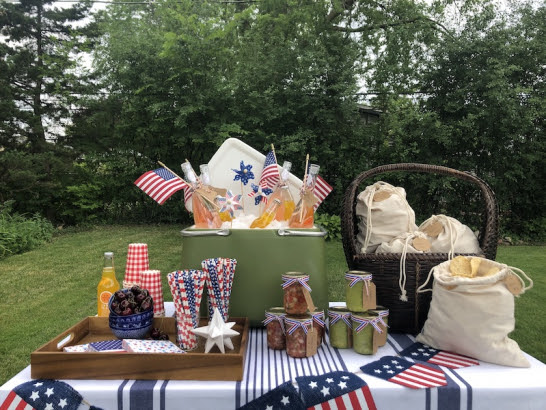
349	223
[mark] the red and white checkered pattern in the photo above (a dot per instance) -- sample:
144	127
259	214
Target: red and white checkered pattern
151	280
137	261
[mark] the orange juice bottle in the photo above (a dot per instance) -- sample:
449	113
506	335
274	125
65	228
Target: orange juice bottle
107	285
268	215
205	213
282	192
205	180
304	213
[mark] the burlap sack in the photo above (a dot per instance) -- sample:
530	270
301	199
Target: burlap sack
448	235
383	214
473	316
409	242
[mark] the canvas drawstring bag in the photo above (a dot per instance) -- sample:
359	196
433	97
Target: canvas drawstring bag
383	214
473	315
448	235
409	242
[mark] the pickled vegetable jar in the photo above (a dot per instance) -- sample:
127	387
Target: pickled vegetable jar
274	323
359	291
318	325
299	332
363	333
383	314
341	327
294	286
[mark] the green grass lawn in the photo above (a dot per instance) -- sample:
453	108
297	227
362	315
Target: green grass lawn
47	290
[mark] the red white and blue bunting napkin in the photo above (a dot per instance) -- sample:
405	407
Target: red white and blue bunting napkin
424	353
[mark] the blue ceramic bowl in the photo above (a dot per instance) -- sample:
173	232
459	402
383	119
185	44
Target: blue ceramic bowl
133	326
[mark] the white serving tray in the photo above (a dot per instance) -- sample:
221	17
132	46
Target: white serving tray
229	156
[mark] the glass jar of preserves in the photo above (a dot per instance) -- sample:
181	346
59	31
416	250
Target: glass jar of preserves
360	291
300	336
274	323
365	327
297	293
383	314
318	325
341	327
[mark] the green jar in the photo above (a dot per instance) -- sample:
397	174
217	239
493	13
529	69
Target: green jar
340	327
358	291
363	333
383	314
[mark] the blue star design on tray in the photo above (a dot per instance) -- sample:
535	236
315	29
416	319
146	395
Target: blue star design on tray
244	173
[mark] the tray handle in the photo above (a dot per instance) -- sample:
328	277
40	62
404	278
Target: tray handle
349	223
65	341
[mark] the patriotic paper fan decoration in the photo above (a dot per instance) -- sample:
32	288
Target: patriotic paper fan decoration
229	203
244	173
401	371
259	193
284	396
424	353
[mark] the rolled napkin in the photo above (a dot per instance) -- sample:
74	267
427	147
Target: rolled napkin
137	261
151	280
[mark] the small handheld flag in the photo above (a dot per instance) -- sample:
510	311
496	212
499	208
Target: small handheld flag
160	184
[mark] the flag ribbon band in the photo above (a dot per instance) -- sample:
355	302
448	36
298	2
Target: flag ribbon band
270	317
336	317
302	280
358	278
294	324
362	323
318	318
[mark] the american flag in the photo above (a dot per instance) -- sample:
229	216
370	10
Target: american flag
45	395
160	184
335	390
406	373
270	174
424	353
322	189
284	396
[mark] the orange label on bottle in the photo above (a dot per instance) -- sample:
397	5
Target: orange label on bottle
105	297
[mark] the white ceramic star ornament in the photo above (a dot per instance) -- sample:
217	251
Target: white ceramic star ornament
217	332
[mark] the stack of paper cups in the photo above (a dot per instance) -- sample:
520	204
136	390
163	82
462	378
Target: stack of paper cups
151	280
137	262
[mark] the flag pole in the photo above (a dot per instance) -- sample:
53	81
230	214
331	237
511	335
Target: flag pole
303	186
274	154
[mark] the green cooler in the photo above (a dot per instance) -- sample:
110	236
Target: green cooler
263	256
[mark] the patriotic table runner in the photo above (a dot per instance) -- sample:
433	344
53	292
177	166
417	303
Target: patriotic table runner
475	387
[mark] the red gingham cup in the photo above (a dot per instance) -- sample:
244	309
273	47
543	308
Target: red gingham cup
137	261
151	280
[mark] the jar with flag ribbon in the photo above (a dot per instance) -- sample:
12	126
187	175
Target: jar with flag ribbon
274	324
301	336
383	314
297	293
365	333
340	327
360	291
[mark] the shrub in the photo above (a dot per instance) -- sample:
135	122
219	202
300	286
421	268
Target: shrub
20	234
332	224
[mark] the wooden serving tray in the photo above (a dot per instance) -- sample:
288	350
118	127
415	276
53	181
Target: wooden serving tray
50	361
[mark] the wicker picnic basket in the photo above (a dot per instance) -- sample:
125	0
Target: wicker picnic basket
410	316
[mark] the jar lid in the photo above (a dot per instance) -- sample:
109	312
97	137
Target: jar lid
339	309
364	315
358	272
295	274
278	310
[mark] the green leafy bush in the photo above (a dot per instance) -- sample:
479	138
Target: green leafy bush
19	234
332	224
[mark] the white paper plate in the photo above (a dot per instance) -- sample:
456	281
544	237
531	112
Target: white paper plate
229	157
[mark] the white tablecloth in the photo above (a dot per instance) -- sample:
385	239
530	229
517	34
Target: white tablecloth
486	386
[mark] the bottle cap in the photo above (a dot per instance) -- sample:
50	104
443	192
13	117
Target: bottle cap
109	255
